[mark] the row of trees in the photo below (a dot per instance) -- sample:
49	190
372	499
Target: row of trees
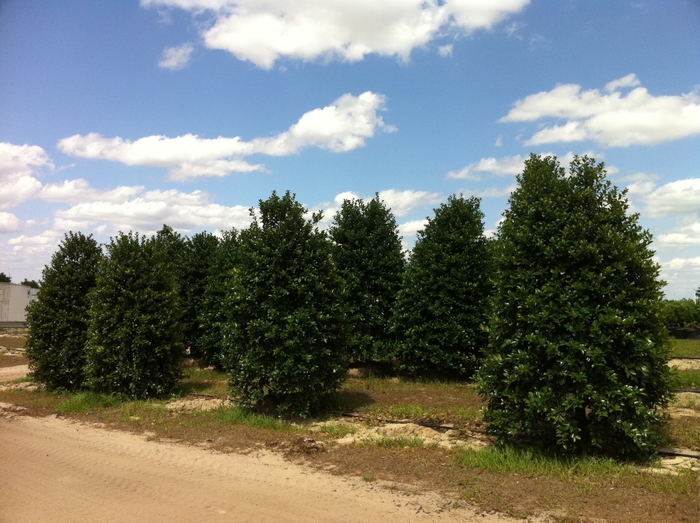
681	313
559	316
4	278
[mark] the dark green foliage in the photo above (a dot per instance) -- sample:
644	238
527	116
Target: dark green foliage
4	278
57	319
441	309
287	338
214	313
368	254
30	283
578	351
195	265
680	313
135	336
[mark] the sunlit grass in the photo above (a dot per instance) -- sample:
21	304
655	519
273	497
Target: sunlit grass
87	402
685	348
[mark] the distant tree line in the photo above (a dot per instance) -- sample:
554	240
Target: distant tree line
559	317
4	278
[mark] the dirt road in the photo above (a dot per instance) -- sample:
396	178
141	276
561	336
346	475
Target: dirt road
57	470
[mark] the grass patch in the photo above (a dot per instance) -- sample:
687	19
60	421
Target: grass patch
87	402
401	443
688	379
239	416
685	348
12	342
530	462
338	430
202	381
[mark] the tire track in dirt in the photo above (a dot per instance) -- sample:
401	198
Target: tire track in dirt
55	470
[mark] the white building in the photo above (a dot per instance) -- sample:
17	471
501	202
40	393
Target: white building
13	304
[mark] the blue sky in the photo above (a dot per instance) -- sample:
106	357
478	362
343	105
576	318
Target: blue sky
127	115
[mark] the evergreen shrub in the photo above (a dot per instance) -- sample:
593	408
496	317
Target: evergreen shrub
286	342
214	312
196	260
441	315
578	352
58	318
368	254
135	335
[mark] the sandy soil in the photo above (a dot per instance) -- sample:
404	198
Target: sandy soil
57	470
13	373
685	364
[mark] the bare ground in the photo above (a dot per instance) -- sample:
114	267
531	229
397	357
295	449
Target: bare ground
57	470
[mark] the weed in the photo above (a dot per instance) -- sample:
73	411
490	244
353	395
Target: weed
685	348
533	463
87	402
399	442
237	415
338	430
688	379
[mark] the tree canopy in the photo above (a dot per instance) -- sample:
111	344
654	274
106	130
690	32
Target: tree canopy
578	352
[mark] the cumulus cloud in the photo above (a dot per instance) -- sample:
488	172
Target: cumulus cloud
609	118
400	202
18	165
511	165
309	30
79	190
149	211
403	202
679	197
176	58
9	223
504	166
684	236
40	245
339	127
411	228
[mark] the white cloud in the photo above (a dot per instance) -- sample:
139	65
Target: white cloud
512	165
492	192
445	50
148	212
679	197
9	223
39	245
611	119
403	202
410	229
79	190
264	31
682	264
504	166
18	164
176	58
630	80
683	236
499	142
340	127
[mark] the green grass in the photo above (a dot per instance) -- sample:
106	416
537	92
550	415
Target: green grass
201	381
688	379
338	430
533	463
87	402
239	416
392	443
685	348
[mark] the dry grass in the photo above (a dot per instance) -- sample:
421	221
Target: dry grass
11	360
